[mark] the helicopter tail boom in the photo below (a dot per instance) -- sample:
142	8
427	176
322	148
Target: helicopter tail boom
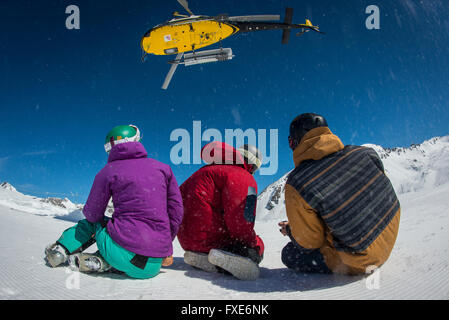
286	26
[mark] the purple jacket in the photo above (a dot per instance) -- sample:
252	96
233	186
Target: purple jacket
148	206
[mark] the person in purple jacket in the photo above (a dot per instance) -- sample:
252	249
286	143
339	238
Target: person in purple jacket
148	211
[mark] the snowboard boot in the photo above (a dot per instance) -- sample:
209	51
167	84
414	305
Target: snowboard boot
88	262
199	260
240	267
56	254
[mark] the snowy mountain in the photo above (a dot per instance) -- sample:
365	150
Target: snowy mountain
421	167
7	186
55	207
271	201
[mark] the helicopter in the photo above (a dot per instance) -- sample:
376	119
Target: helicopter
185	34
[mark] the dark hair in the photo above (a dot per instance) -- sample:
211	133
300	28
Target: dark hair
303	124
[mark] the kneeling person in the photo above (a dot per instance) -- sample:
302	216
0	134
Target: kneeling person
217	231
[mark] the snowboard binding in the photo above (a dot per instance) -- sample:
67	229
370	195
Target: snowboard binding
56	254
88	262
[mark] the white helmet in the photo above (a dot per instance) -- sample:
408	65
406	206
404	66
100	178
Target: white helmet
252	156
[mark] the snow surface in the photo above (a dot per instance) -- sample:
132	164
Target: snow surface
417	268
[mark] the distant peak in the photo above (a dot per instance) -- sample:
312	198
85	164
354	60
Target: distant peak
7	186
423	147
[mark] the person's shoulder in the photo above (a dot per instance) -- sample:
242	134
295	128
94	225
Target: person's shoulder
350	147
360	149
240	174
159	165
106	169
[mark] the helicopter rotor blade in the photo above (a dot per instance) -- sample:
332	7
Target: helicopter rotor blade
269	17
185	5
172	70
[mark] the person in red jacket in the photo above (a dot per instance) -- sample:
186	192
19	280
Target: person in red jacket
217	231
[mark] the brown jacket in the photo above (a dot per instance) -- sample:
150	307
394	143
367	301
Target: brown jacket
339	200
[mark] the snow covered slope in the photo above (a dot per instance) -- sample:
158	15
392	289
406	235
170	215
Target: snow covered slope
271	201
417	268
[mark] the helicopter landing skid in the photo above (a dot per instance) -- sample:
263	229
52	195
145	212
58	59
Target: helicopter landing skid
207	56
197	57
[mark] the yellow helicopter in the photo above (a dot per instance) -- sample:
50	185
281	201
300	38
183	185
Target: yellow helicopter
186	33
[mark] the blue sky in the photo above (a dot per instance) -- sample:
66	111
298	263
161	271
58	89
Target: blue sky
62	90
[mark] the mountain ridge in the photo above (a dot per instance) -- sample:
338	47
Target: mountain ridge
419	167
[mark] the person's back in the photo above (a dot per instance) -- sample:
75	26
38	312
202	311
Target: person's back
355	202
342	209
219	212
140	187
148	210
208	197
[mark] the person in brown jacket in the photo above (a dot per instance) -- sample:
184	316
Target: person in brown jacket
343	213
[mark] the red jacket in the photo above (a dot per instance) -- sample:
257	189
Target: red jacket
219	202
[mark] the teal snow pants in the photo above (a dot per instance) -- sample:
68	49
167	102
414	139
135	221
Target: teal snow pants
84	234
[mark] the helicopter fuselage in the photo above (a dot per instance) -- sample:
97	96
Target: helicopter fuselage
187	34
196	32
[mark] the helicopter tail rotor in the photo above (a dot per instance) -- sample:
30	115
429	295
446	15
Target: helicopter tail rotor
307	27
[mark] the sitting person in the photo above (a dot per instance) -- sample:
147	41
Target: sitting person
343	213
147	213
